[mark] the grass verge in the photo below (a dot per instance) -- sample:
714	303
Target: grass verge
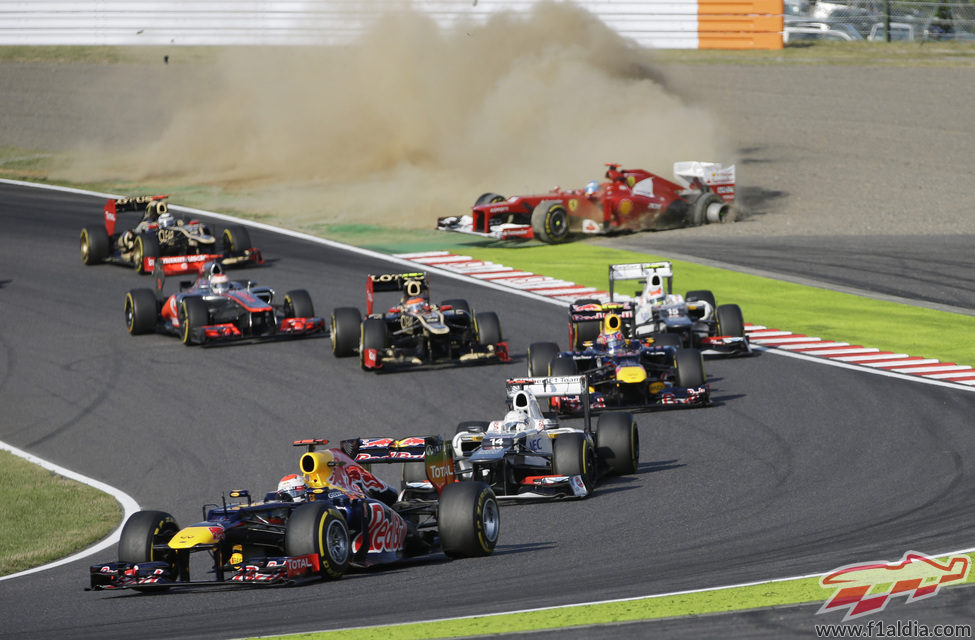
47	516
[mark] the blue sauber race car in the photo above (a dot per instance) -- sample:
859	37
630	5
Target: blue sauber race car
333	516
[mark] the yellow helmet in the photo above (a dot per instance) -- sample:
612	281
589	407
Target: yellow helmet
612	323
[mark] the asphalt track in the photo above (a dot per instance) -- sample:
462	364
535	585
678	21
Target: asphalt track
798	468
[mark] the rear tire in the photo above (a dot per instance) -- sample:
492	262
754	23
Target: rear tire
584	331
317	528
346	325
701	294
690	367
94	245
707	208
193	314
236	239
458	304
487	328
540	354
573	455
298	304
618	442
730	321
469	520
550	222
146	246
141	311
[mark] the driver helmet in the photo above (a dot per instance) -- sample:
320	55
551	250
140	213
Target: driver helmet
515	421
292	485
654	292
592	187
219	283
167	220
414	305
611	335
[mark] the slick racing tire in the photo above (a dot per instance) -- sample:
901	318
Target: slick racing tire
487	328
457	304
94	245
193	314
539	355
488	198
472	426
346	325
414	472
469	520
297	304
317	528
708	208
583	331
146	246
730	321
573	455
142	531
550	222
690	367
701	294
618	443
563	366
373	337
236	239
141	311
666	339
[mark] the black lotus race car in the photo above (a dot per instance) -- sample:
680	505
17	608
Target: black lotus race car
160	237
638	373
414	331
216	309
343	516
528	454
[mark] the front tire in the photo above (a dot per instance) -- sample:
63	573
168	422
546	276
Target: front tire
146	246
298	304
487	328
469	520
690	368
550	222
142	532
193	314
94	245
573	455
236	239
539	355
618	442
373	337
317	528
488	198
730	321
563	366
346	325
141	311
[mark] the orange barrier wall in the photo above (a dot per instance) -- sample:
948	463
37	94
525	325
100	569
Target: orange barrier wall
740	24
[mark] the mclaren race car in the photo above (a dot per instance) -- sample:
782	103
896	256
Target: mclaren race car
334	515
694	320
625	372
181	247
629	200
415	331
528	454
214	308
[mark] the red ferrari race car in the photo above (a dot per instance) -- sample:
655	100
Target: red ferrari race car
415	331
629	200
217	309
180	246
332	516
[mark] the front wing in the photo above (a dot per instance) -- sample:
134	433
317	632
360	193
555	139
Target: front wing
667	397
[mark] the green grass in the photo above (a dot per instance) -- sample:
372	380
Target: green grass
47	516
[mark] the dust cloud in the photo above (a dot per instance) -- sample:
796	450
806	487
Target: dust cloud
413	121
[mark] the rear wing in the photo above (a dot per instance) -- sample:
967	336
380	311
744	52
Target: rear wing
552	387
707	176
641	271
431	450
412	284
115	206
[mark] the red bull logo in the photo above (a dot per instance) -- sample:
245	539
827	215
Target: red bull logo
863	589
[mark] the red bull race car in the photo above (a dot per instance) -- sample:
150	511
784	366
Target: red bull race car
160	237
528	455
628	200
656	312
414	331
625	372
215	309
333	516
